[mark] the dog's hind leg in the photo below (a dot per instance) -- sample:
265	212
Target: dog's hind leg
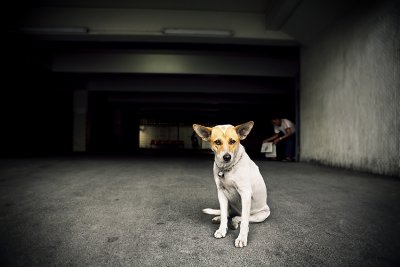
216	219
255	218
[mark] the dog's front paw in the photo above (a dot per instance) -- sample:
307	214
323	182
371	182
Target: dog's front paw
241	241
220	233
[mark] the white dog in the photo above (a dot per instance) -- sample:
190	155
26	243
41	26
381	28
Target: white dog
241	188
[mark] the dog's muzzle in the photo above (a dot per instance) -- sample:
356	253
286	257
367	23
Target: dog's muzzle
227	157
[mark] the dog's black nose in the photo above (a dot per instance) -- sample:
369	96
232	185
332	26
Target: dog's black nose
227	157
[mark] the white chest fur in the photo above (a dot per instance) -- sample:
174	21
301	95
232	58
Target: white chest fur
230	190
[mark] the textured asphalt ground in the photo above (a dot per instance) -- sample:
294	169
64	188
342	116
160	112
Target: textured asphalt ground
146	211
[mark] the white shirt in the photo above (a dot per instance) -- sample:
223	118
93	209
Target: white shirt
285	123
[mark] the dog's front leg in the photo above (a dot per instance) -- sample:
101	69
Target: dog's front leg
241	240
223	204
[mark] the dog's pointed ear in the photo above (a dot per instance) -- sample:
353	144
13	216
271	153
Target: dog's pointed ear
203	132
244	129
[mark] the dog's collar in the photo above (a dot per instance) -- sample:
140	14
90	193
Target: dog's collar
222	171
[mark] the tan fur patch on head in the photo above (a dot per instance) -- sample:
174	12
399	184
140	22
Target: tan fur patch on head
224	138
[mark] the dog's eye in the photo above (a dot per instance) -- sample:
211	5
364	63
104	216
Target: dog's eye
218	142
231	142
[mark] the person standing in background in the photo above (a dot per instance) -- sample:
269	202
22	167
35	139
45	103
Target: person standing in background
288	140
195	141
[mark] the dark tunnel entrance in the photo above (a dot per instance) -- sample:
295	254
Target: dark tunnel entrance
152	119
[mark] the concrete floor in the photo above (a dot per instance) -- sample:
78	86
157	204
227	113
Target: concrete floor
146	211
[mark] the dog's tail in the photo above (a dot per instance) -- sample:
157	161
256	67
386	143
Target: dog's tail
212	211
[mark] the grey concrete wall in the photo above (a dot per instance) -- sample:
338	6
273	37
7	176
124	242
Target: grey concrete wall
350	92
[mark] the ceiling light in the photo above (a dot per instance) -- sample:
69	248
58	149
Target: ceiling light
197	32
